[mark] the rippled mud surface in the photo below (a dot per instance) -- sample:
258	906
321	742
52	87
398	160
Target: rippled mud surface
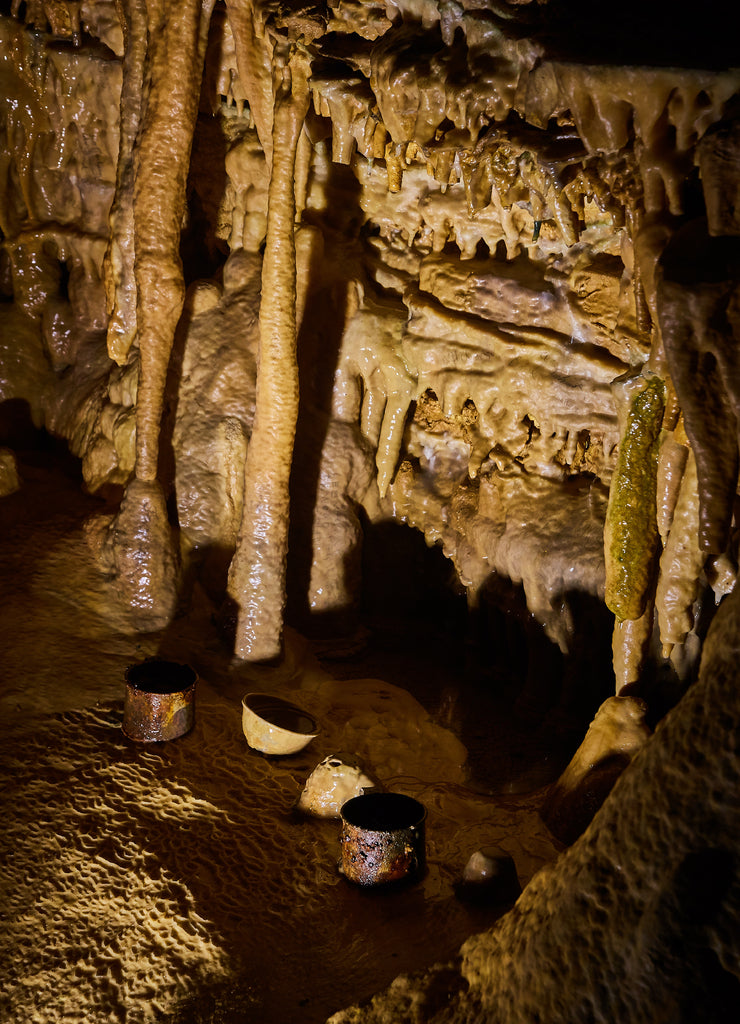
176	882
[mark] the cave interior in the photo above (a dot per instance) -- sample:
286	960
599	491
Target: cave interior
381	356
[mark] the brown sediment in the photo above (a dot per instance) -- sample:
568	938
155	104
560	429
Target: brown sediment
181	875
172	879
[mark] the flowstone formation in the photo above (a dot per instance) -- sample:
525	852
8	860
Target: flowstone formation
280	273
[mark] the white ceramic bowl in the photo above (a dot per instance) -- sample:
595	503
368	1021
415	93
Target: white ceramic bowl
275	726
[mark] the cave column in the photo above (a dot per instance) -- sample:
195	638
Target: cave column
167	92
257	573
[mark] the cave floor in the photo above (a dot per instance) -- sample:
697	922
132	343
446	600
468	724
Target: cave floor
176	882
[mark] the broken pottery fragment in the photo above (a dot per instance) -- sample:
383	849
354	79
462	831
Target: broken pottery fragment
333	782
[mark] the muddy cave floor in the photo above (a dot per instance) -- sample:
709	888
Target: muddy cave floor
176	882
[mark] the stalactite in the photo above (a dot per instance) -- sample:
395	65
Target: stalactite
257	573
631	531
254	60
699	317
119	262
176	50
680	565
642	311
639	501
630	644
394	166
672	458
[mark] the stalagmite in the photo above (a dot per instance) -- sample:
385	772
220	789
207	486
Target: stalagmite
615	735
257	573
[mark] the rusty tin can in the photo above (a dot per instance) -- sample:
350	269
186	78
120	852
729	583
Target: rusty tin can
382	838
160	700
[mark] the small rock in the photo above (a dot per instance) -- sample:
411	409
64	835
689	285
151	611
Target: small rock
489	877
9	479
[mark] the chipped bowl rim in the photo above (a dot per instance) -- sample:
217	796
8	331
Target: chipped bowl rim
270	737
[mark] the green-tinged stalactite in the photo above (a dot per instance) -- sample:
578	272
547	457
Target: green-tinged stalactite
631	532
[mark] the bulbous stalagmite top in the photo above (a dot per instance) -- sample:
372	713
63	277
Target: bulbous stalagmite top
144	556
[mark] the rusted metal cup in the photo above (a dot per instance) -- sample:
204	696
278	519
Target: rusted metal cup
160	700
382	838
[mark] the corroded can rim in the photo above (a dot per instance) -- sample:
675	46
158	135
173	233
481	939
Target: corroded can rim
383	812
171	676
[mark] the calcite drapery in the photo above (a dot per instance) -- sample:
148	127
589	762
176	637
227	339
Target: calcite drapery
254	54
539	172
